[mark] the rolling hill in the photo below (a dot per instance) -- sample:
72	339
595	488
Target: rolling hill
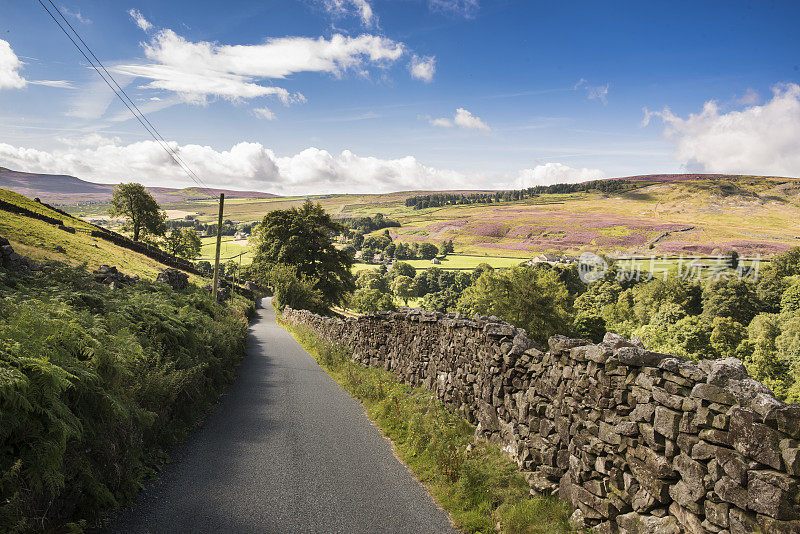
663	214
62	189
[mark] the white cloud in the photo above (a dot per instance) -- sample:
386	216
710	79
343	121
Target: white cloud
253	166
243	166
749	98
464	8
422	67
77	15
10	66
264	113
556	173
199	70
10	77
757	140
139	19
593	92
442	122
462	119
361	8
62	84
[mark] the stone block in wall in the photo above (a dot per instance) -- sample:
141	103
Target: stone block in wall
753	439
772	493
667	422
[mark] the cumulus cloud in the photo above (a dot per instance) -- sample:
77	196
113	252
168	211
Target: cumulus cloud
199	70
243	166
464	8
139	19
759	139
264	113
593	92
254	166
422	68
361	8
10	65
556	173
463	119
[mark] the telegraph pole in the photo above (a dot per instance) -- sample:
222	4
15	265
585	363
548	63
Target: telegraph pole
219	245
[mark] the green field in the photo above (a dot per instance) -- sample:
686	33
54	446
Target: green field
701	216
229	250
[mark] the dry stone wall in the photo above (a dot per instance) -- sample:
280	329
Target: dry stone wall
636	441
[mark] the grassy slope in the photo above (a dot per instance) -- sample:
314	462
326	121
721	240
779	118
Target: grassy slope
39	240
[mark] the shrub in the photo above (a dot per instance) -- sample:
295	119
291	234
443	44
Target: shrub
95	384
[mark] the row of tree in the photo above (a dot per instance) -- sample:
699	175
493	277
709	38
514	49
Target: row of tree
445	199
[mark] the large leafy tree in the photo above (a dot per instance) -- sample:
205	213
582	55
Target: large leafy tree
534	299
133	202
303	238
183	242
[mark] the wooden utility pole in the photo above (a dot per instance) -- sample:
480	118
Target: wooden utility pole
219	245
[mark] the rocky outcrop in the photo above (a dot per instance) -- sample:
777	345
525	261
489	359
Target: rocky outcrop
13	261
635	440
174	278
111	277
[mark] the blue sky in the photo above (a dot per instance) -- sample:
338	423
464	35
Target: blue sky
309	96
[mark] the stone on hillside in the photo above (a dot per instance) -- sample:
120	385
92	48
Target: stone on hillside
174	278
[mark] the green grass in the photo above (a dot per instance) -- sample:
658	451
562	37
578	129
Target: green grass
228	249
481	489
453	262
39	240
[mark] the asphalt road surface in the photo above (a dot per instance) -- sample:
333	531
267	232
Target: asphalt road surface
286	450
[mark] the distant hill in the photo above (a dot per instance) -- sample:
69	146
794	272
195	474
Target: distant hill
64	189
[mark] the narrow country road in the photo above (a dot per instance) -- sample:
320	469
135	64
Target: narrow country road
286	450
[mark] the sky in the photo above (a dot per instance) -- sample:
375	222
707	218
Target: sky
368	96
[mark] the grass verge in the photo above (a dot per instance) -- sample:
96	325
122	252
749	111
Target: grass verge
481	489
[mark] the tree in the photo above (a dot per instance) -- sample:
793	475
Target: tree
302	238
428	251
294	290
135	203
401	268
183	242
367	300
403	287
731	298
790	300
446	248
534	299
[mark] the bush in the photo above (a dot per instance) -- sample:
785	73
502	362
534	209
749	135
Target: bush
95	384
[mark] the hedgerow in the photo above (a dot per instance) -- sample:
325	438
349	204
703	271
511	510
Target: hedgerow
95	384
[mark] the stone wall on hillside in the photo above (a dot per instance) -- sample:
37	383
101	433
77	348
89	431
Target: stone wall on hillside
635	440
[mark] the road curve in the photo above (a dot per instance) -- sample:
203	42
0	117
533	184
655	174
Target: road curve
286	450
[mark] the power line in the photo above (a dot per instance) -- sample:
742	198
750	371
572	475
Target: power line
119	91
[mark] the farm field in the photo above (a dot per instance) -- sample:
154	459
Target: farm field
229	249
455	262
690	215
